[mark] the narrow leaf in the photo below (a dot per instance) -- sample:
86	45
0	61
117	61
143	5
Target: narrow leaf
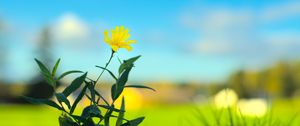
63	99
89	122
98	94
55	68
92	91
46	73
121	114
42	101
139	86
79	97
67	73
134	122
42	67
113	91
111	108
74	85
111	73
79	118
66	121
118	88
127	63
91	111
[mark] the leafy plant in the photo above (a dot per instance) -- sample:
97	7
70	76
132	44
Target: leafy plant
208	116
97	113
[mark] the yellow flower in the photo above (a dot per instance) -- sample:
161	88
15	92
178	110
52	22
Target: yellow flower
118	39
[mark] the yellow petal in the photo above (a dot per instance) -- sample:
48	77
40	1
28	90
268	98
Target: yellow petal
115	48
105	33
127	47
126	34
130	41
106	37
118	38
121	28
117	29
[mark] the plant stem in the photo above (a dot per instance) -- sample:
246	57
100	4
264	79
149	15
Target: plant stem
106	65
107	114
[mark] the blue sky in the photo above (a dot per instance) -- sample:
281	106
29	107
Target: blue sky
178	40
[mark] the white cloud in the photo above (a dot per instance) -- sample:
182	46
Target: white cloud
242	32
215	20
279	12
70	27
154	36
221	31
283	39
212	47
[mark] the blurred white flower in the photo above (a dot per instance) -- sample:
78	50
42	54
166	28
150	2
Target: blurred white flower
252	107
225	98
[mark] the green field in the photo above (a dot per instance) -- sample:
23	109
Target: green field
164	115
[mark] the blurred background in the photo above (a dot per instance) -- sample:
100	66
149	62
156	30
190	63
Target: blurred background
191	50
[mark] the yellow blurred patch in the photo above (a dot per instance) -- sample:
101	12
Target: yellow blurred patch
133	99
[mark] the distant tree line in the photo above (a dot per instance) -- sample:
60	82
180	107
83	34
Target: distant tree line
280	80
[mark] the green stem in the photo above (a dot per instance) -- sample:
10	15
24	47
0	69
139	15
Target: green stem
107	114
106	65
106	121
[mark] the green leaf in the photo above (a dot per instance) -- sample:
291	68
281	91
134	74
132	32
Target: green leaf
121	114
66	121
111	73
78	118
91	111
55	68
89	122
46	73
92	91
139	86
74	85
99	95
67	73
43	101
124	70
42	67
107	117
109	107
128	63
115	92
62	99
119	86
134	122
79	97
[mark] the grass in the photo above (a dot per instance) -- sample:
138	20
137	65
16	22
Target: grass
163	115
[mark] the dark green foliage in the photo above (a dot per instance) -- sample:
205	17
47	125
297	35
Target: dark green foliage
79	97
91	111
111	73
74	85
61	98
66	121
43	101
134	122
86	87
55	68
46	73
127	64
67	73
118	88
139	86
121	114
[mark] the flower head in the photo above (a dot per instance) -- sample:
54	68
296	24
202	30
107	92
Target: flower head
225	98
256	107
119	38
